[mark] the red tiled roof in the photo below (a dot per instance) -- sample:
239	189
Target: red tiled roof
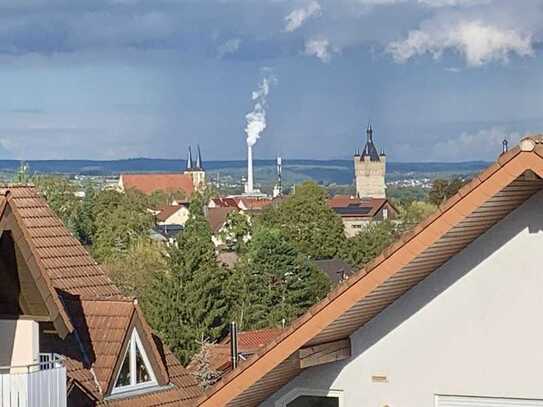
225	202
249	342
259	337
167	182
252	203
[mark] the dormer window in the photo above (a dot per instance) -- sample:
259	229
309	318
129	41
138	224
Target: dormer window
135	372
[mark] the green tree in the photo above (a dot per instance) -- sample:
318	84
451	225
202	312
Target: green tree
366	245
189	301
60	195
236	231
443	189
132	271
414	213
275	282
307	221
118	220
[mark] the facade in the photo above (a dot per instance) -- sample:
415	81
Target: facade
446	316
67	335
357	213
369	170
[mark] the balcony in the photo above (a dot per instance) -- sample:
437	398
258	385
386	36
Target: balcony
41	384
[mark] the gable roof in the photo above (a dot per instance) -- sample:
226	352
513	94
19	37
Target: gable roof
486	200
90	316
166	182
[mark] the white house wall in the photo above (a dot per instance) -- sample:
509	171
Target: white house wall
474	327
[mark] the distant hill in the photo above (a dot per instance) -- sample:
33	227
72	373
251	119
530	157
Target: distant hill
324	171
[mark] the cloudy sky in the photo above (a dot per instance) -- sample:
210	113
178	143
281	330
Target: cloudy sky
440	80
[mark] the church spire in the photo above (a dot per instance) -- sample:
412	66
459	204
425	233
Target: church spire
189	160
199	164
369	133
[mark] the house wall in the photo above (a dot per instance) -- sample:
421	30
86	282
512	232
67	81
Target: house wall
19	342
474	327
353	225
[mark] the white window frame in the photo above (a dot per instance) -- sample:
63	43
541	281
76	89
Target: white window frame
302	391
131	349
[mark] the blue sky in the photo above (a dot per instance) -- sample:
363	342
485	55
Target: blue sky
441	80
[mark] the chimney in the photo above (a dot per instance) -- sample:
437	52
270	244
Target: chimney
505	146
234	343
249	169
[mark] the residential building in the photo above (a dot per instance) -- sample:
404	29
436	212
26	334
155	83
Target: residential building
217	217
446	316
370	169
356	213
180	185
67	335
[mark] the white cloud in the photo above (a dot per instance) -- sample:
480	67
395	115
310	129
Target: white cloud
318	47
476	41
297	17
229	47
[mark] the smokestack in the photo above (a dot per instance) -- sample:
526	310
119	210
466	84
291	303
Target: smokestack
249	168
234	343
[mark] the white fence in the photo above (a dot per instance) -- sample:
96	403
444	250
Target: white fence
39	385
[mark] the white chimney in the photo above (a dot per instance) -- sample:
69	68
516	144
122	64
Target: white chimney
249	169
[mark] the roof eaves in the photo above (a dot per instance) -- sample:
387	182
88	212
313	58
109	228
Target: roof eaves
60	318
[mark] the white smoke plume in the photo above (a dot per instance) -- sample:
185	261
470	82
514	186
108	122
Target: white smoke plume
256	120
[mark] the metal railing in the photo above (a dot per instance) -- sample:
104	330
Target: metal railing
41	384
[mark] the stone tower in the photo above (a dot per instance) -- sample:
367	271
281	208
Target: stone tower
196	170
369	170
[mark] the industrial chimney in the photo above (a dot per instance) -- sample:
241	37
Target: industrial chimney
249	169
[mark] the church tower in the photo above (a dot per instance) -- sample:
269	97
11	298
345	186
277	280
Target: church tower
196	170
369	169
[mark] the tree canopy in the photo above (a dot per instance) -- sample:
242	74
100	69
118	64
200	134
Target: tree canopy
307	222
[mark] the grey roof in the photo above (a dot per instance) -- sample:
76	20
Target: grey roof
336	269
369	149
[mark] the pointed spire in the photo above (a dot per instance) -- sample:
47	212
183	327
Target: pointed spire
189	160
199	164
369	133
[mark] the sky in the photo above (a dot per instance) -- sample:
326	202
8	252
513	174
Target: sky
440	80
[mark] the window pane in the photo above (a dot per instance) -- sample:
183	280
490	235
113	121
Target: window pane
124	374
142	375
314	401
